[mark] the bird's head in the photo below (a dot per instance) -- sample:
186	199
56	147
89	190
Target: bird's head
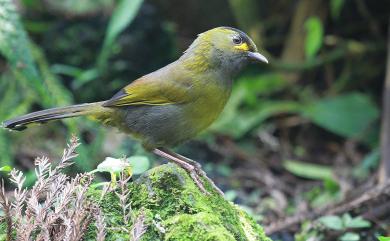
225	48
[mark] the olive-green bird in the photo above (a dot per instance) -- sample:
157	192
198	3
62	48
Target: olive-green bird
173	104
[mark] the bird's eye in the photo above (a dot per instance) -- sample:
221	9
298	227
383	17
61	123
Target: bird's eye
237	40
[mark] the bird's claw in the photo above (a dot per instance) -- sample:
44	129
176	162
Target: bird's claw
200	173
191	166
195	177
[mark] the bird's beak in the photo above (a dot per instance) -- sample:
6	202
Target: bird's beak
257	57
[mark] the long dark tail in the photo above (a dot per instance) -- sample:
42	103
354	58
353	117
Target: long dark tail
43	116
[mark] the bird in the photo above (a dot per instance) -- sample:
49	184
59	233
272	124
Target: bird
173	104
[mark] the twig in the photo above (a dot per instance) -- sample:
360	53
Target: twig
380	211
345	206
55	208
385	129
261	173
365	13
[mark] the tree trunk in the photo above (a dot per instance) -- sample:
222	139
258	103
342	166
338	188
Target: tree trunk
384	173
293	51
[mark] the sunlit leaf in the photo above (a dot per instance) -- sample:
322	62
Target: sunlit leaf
383	238
347	115
5	168
314	36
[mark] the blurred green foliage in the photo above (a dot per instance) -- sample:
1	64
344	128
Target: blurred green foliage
122	16
335	8
314	36
311	171
31	80
344	228
343	114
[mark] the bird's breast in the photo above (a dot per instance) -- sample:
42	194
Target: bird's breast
207	107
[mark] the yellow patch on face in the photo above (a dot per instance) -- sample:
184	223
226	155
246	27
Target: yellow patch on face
243	47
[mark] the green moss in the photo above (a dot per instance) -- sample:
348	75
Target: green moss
3	231
112	210
200	226
175	209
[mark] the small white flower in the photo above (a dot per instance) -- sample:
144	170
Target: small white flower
113	165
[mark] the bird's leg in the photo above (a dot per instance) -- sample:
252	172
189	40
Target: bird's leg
187	166
196	165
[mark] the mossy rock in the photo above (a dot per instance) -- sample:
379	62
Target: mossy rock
175	209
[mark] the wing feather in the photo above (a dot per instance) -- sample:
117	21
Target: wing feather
148	91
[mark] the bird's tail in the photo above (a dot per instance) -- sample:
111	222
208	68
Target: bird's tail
43	116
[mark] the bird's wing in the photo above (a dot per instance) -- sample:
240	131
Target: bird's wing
146	91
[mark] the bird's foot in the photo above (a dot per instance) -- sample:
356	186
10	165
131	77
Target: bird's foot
192	167
200	172
192	170
194	173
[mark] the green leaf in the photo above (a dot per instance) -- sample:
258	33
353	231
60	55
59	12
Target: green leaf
5	169
79	8
346	115
139	164
314	36
255	85
123	15
383	238
237	123
332	222
306	170
350	237
335	8
357	222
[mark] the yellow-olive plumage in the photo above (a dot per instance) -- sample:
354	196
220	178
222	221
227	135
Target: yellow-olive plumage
174	103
